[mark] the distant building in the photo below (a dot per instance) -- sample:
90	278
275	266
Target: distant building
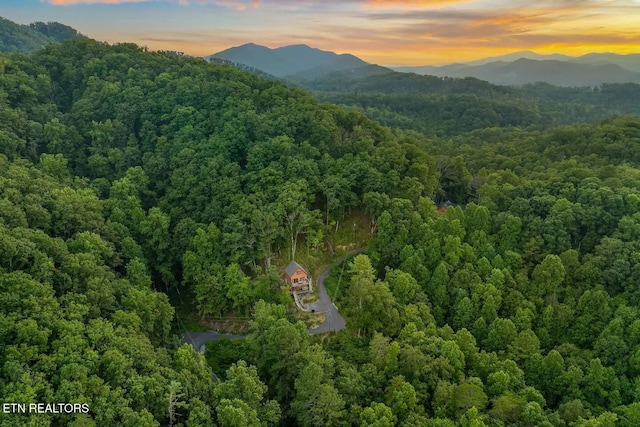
297	277
448	204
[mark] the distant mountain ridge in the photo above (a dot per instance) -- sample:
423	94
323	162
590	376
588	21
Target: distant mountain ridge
301	63
298	62
526	67
26	38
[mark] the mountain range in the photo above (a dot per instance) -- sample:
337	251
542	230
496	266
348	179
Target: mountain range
297	62
301	63
525	67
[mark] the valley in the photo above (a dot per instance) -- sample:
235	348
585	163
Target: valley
475	247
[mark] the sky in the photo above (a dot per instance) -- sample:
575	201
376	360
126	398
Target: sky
386	32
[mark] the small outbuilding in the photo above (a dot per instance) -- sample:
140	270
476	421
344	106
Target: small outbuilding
297	277
442	207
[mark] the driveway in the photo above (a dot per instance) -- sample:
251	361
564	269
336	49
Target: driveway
333	320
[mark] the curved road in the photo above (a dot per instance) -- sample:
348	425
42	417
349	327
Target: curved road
333	320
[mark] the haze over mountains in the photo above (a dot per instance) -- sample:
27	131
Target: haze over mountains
528	67
301	62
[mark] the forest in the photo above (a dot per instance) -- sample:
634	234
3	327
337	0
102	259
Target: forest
443	106
132	181
26	38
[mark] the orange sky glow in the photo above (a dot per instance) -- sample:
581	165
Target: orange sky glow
388	32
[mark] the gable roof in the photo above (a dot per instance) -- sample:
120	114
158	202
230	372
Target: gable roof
292	267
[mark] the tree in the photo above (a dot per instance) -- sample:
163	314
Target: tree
297	218
238	287
317	402
502	332
155	229
275	344
403	286
336	190
370	304
242	383
174	402
235	412
548	276
508	407
377	415
467	396
268	287
401	397
375	204
74	211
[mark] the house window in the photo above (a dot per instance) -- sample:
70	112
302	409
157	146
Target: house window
295	280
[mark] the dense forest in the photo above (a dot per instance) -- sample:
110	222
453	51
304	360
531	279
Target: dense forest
442	107
25	38
129	177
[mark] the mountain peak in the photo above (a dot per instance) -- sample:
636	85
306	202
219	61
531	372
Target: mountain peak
298	60
249	46
299	45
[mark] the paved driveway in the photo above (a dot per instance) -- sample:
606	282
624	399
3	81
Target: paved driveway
333	320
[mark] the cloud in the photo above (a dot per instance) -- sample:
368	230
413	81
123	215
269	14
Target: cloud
234	4
76	2
285	4
382	31
239	5
408	4
484	25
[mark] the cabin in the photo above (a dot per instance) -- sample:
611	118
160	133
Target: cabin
442	207
297	277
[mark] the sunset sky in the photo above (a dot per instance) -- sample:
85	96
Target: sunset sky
407	32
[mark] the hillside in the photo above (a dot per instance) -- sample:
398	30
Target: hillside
527	67
510	57
26	38
134	181
450	106
524	71
19	38
629	62
295	61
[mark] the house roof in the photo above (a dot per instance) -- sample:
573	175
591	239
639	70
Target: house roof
292	267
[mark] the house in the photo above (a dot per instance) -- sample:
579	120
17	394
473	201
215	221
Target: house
448	204
297	277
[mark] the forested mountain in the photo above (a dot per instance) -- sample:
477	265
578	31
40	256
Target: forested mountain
127	176
25	38
447	106
555	72
525	67
56	31
527	54
510	57
629	62
440	105
297	61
